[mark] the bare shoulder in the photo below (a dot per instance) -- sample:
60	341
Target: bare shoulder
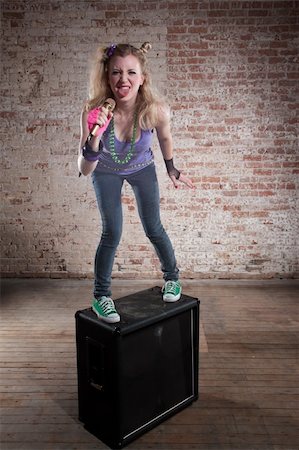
163	114
83	125
84	114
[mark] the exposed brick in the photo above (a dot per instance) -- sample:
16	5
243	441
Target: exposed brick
228	70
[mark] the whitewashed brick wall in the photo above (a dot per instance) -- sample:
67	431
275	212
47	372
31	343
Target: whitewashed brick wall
230	72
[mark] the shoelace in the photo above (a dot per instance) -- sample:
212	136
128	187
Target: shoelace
171	287
108	306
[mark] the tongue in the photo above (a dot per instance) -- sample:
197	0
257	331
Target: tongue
123	91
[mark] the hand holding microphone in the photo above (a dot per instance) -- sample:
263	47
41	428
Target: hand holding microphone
99	118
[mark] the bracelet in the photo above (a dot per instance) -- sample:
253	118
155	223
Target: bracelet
89	154
171	170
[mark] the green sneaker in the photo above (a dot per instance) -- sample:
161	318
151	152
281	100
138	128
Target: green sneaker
172	291
104	308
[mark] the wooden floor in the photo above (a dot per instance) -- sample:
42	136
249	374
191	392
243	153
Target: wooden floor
248	368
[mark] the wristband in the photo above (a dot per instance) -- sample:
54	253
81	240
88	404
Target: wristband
171	170
89	154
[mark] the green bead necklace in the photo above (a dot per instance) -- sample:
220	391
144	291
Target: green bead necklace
113	153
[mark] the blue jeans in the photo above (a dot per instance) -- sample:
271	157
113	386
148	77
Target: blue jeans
108	188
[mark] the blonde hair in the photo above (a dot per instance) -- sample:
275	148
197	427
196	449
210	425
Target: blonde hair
149	103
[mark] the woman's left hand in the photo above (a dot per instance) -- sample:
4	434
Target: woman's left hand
182	179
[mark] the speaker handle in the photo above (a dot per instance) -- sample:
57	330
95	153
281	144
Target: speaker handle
97	386
95	364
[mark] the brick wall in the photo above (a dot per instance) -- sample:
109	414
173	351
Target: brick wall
230	72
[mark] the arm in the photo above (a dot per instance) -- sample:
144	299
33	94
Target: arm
164	134
86	167
166	146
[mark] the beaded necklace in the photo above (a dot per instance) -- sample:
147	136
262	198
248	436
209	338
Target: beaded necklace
113	153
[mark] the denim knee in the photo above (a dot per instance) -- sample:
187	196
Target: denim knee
154	232
111	236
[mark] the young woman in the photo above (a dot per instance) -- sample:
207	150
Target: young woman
117	146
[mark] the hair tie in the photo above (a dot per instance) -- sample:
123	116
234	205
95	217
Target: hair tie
146	46
110	50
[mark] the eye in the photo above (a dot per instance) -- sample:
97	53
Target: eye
115	72
132	72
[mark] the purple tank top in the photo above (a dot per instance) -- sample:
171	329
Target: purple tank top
142	155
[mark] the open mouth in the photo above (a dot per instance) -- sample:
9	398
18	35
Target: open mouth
123	91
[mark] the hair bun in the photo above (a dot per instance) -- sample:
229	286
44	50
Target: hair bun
146	46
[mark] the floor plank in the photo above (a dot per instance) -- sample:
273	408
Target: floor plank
248	373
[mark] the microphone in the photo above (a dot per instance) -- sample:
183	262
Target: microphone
92	117
109	104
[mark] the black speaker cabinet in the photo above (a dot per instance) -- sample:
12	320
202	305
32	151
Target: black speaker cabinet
134	374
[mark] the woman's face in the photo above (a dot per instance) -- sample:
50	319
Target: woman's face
125	77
